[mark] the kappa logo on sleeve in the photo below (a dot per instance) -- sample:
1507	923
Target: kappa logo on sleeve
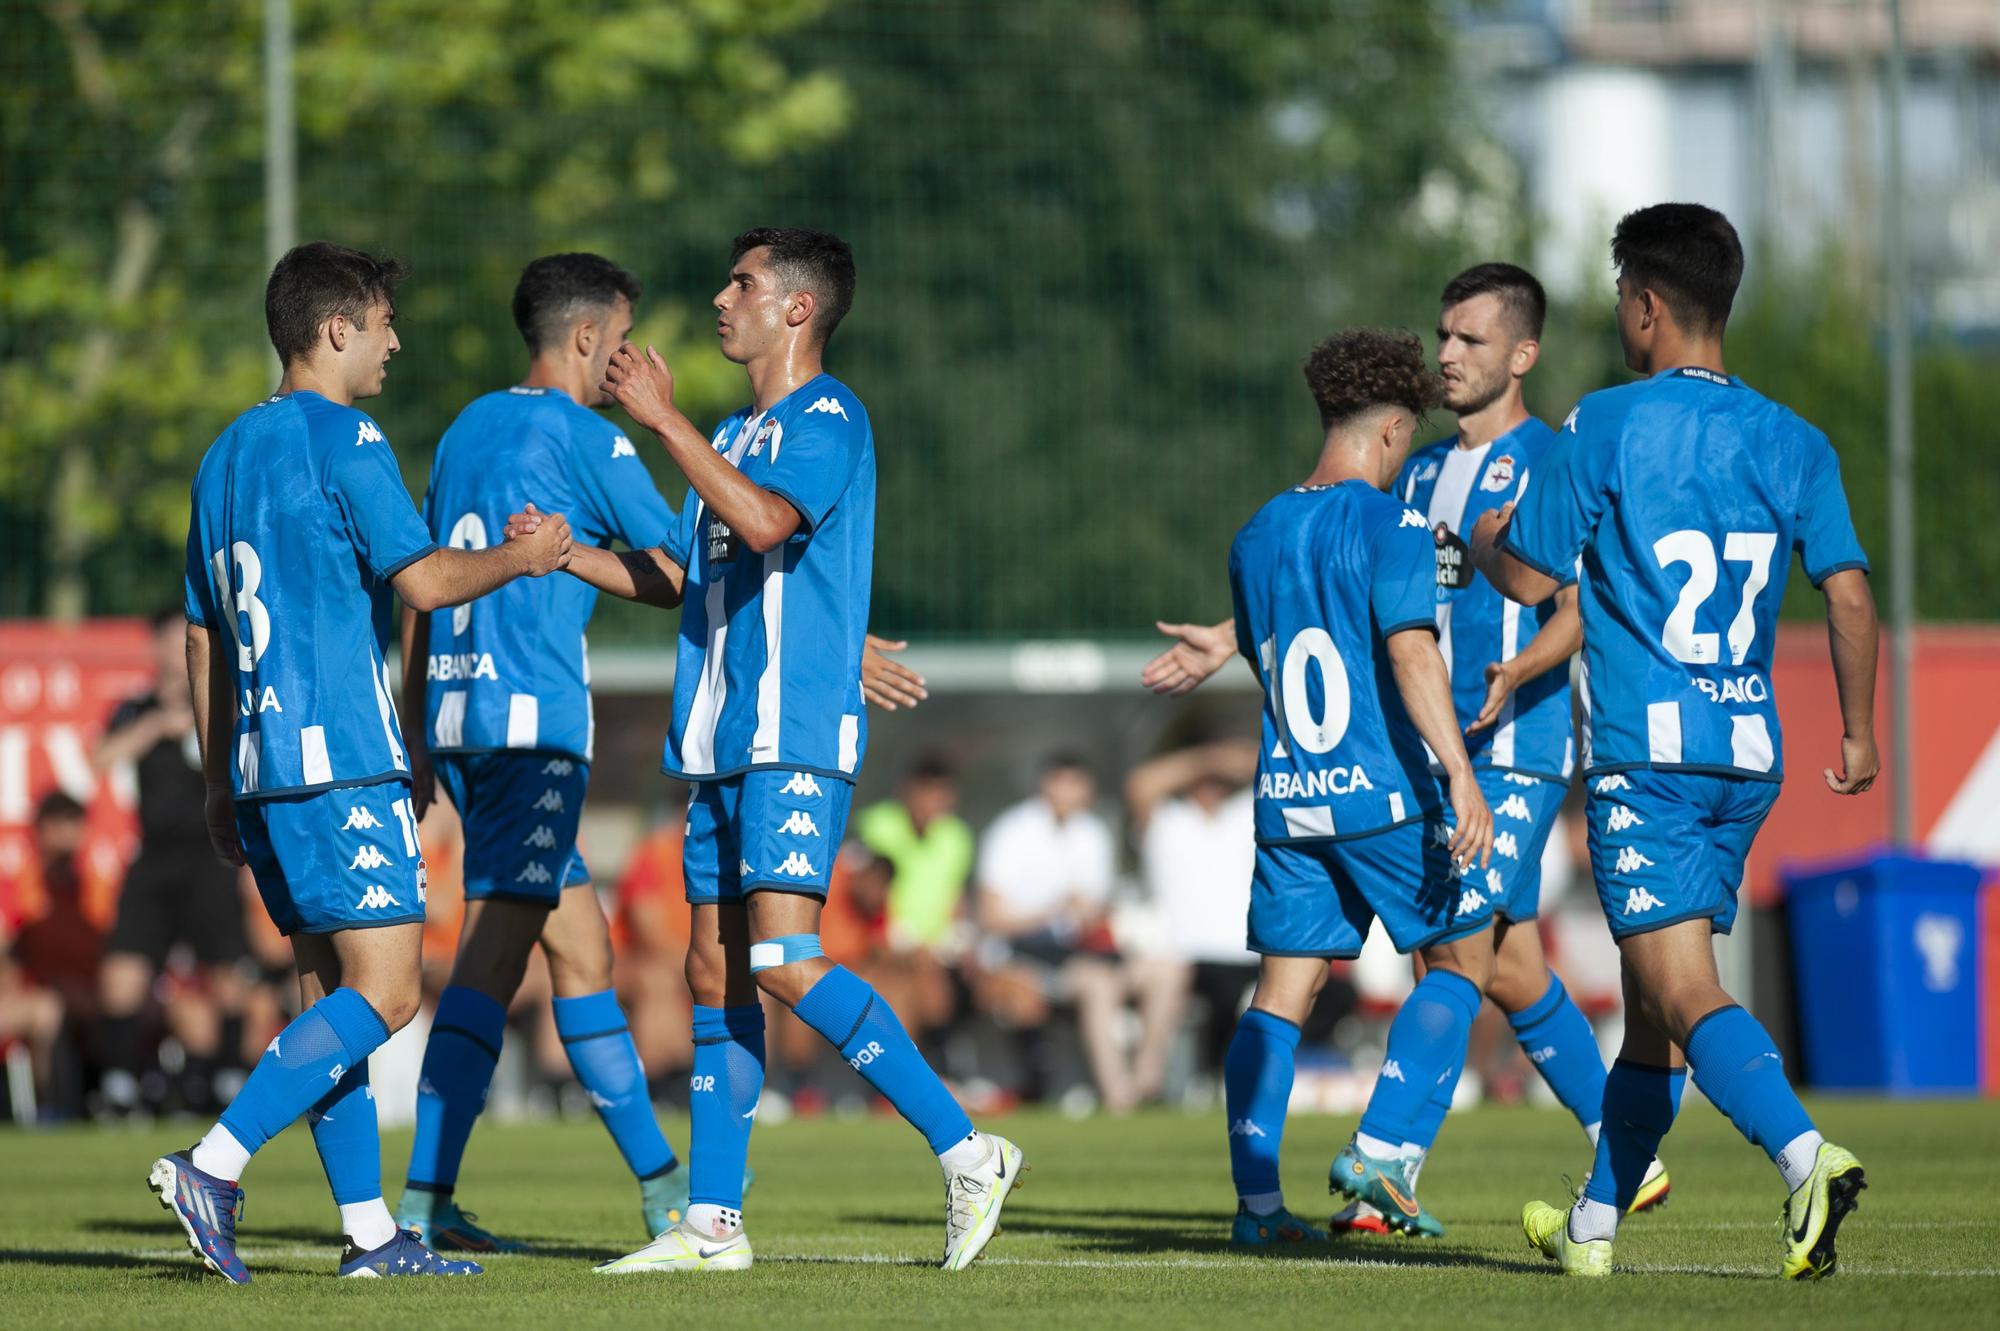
370	434
621	447
1412	518
830	405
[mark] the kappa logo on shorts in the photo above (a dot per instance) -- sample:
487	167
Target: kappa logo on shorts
1621	818
1468	901
1516	808
541	838
743	869
368	857
375	898
1494	882
796	865
1616	781
801	784
1629	860
1505	844
558	767
358	820
1516	779
534	873
799	824
1393	1071
550	802
1638	901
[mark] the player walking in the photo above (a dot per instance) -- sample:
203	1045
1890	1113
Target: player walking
300	527
1684	494
773	551
1333	583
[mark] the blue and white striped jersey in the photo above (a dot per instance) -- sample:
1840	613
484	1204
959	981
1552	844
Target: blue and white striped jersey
511	670
769	667
299	521
1685	494
1321	576
1477	626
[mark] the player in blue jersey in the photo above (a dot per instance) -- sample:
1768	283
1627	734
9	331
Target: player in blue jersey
1334	588
300	529
772	556
1684	495
502	687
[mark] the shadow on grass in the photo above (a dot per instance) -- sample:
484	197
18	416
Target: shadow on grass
1125	1231
170	1268
252	1235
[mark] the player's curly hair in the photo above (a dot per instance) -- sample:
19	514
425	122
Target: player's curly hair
1358	369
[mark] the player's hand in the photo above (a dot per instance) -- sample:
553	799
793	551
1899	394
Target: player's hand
423	779
1500	685
546	547
220	811
1202	650
1860	763
1472	839
643	385
1489	531
889	684
524	523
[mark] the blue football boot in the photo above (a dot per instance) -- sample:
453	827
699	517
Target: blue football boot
208	1209
404	1255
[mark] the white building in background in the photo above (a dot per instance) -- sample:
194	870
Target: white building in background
1770	110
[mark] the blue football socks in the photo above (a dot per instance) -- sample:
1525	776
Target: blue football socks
307	1058
601	1053
1738	1068
845	1010
1426	1041
1257	1088
1557	1039
1640	1103
345	1134
722	1101
458	1067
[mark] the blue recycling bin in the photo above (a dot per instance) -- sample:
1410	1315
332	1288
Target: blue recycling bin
1885	953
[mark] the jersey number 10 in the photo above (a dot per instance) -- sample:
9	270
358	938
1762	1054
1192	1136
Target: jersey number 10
1286	687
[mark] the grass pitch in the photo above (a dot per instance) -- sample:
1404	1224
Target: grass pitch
1123	1223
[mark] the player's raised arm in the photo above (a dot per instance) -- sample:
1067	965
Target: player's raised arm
1516	579
1558	640
1851	632
448	576
1425	685
644	386
1199	651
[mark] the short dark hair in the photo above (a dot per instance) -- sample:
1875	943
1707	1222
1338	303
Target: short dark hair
558	289
58	804
807	260
1520	294
1361	368
1065	760
167	616
931	766
1689	254
314	282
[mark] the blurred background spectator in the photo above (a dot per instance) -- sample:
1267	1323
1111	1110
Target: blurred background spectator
177	947
930	847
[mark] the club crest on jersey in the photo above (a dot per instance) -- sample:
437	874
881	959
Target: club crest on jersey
770	432
801	784
621	447
1499	474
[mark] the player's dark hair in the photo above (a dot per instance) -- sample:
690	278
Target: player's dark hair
932	766
314	282
807	260
557	290
1360	369
1065	760
56	805
166	615
1687	253
1521	295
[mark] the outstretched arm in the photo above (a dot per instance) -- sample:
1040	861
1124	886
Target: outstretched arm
886	683
449	576
645	575
1558	640
1201	650
1852	633
1424	681
1516	581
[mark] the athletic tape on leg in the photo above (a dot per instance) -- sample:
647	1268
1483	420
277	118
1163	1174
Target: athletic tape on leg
784	951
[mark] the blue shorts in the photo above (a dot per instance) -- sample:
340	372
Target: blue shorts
1316	898
520	812
763	831
337	859
1670	846
1525	810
